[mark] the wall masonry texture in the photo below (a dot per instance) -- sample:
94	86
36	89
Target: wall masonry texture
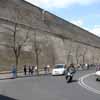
60	41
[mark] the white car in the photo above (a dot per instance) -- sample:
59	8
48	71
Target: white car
97	75
59	69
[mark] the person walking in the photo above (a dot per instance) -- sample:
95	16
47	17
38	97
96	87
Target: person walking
14	72
48	68
29	70
35	69
25	70
32	69
45	69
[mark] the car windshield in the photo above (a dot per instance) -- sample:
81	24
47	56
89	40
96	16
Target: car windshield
59	66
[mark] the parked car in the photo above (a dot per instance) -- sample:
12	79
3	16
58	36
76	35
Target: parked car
59	69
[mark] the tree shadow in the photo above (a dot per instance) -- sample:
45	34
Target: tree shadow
2	97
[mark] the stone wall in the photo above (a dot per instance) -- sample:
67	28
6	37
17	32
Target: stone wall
59	41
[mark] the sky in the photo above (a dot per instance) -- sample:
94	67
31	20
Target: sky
83	13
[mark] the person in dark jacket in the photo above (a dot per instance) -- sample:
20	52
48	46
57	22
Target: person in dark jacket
29	70
25	70
71	69
32	69
45	69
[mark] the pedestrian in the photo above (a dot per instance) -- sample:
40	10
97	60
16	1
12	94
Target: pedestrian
48	68
25	70
45	69
14	72
35	69
29	70
82	66
88	67
78	66
97	67
32	69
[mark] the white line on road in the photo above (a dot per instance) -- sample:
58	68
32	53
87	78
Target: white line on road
84	85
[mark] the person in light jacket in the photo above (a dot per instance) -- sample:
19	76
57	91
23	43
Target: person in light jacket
14	72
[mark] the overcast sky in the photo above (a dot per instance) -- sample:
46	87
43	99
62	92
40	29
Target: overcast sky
84	13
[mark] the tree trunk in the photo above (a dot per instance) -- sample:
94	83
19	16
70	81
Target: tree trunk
83	59
37	62
53	59
17	61
77	60
68	59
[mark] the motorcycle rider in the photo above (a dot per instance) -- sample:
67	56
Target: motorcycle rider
71	69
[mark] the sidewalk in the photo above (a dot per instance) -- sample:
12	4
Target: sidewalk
8	75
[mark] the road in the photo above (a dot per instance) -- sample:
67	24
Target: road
46	88
89	82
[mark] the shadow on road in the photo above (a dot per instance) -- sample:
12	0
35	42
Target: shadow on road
74	81
2	97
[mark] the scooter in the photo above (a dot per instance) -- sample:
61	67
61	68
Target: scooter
69	77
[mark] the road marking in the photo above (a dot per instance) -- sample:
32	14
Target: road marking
84	85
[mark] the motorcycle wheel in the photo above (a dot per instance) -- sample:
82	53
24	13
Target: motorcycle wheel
69	79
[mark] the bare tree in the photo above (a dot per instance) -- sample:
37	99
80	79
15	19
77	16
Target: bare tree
69	57
17	45
77	54
84	54
14	40
53	56
36	49
93	59
68	51
15	36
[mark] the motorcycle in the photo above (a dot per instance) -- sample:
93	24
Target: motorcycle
69	77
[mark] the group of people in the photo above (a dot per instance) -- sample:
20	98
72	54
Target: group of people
30	69
83	66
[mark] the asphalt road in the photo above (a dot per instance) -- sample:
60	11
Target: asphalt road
45	88
91	82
